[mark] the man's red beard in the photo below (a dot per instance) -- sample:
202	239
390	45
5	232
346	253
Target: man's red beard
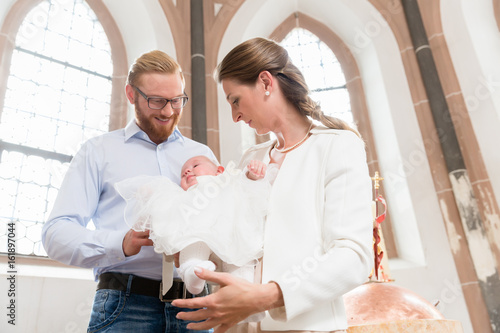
147	122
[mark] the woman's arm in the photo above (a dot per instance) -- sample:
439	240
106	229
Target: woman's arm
234	301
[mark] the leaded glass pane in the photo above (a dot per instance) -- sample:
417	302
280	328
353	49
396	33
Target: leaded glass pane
57	96
322	72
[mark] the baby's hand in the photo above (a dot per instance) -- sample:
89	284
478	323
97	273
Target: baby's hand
256	170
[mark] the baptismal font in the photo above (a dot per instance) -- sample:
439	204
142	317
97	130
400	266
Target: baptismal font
380	305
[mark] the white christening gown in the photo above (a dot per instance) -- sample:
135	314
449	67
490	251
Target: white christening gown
226	212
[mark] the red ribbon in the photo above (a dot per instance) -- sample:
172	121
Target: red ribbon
381	217
376	236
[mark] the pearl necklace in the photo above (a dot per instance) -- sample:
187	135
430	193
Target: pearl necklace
286	150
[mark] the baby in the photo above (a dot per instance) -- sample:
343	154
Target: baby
215	210
203	166
197	254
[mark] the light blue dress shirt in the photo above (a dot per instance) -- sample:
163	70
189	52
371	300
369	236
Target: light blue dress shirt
88	193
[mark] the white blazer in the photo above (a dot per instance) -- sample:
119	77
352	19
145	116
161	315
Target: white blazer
318	233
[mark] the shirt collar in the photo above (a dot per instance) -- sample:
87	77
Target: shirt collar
132	129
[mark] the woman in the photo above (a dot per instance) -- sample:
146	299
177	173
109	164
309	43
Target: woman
318	234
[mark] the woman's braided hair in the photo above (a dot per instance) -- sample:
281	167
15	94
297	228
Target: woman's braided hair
246	61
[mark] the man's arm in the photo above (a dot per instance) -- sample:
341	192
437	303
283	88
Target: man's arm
65	236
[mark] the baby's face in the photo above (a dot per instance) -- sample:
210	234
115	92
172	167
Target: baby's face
194	167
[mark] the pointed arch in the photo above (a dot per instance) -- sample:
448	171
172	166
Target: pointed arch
321	70
32	168
10	28
355	88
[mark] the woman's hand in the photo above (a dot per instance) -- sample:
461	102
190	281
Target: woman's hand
234	301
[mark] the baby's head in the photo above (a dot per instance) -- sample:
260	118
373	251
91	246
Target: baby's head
198	166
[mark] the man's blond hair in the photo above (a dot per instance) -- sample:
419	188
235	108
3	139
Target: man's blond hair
153	62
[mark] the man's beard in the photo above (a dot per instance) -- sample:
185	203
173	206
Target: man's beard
157	133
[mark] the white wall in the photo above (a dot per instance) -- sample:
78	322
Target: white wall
144	27
473	39
50	297
4	7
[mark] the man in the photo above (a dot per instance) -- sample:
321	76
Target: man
125	265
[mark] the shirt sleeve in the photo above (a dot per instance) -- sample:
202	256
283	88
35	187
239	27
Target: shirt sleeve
346	232
65	236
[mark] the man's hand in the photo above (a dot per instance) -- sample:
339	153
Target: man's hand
133	241
176	260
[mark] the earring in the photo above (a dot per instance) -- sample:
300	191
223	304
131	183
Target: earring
267	93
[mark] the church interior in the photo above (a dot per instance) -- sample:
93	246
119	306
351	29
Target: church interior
420	80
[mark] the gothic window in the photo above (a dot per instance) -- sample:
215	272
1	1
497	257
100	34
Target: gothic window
322	72
57	96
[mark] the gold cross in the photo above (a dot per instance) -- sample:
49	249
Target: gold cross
376	180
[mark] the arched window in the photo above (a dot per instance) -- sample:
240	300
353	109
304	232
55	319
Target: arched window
57	96
322	72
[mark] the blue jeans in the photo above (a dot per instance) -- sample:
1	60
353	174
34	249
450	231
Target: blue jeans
120	311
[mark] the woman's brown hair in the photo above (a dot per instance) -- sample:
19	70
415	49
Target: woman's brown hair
246	61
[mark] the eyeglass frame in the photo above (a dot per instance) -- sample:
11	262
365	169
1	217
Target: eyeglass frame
147	98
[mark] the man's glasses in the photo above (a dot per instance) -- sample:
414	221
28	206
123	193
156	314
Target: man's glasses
158	103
